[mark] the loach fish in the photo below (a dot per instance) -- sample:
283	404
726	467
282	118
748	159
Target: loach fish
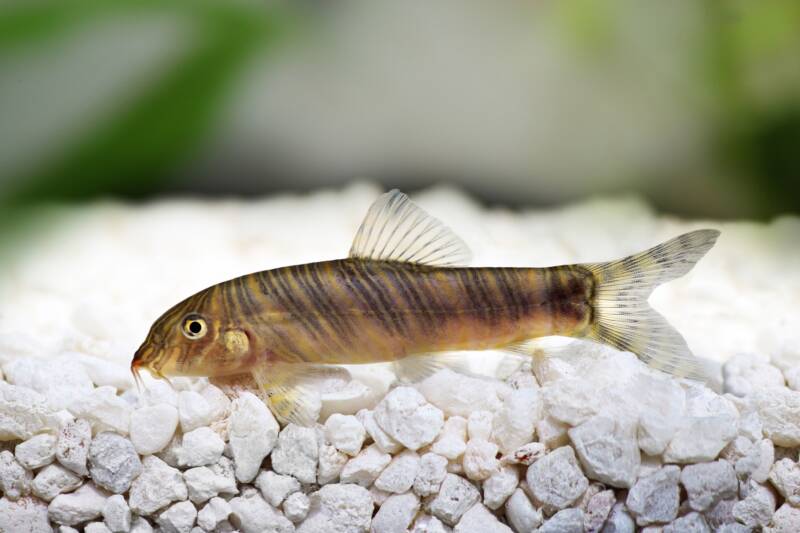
403	296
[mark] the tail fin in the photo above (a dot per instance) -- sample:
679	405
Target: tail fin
624	319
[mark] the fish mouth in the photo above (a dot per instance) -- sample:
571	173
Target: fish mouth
141	359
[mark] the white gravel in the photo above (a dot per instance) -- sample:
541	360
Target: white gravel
589	441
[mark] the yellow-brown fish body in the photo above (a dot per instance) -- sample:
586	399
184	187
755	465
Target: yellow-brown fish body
403	293
353	311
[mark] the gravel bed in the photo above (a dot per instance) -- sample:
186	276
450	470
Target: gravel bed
591	440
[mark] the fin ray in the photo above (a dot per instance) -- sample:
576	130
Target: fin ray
290	389
396	229
624	319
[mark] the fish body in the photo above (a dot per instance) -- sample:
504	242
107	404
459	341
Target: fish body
404	296
353	311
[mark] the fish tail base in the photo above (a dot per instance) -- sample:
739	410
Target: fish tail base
622	316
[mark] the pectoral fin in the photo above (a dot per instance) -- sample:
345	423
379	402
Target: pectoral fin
292	396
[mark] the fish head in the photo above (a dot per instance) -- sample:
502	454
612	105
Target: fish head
193	339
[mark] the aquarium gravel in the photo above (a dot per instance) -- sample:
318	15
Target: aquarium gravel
579	438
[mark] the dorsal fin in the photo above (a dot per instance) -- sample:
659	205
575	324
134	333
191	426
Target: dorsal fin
396	229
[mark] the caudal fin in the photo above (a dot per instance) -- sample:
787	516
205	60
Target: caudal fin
623	318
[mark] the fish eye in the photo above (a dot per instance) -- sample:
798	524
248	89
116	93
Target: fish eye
194	327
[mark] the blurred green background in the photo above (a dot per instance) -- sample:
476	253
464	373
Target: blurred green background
694	105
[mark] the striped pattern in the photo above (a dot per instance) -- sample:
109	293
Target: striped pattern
357	311
366	311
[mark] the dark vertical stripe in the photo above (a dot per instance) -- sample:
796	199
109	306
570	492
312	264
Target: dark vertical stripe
270	283
488	303
423	317
509	296
336	315
357	284
367	275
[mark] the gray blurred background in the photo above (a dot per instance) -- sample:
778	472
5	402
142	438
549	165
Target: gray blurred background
694	105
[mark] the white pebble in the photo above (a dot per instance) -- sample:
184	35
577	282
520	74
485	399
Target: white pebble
54	479
480	459
407	417
364	468
431	473
662	405
72	447
708	483
296	507
525	455
757	507
159	391
500	486
455	497
26	514
426	523
152	427
194	410
59	379
452	440
552	433
252	431
96	527
564	521
83	505
275	487
556	479
515	422
215	511
479	425
113	462
217	400
479	518
381	439
700	438
345	432
178	518
654	498
779	410
757	462
141	525
619	520
521	513
329	463
396	513
296	453
156	487
785	520
785	476
102	372
15	479
746	373
103	409
399	475
117	514
457	394
338	507
690	523
200	447
206	482
378	496
37	451
608	450
23	413
597	510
